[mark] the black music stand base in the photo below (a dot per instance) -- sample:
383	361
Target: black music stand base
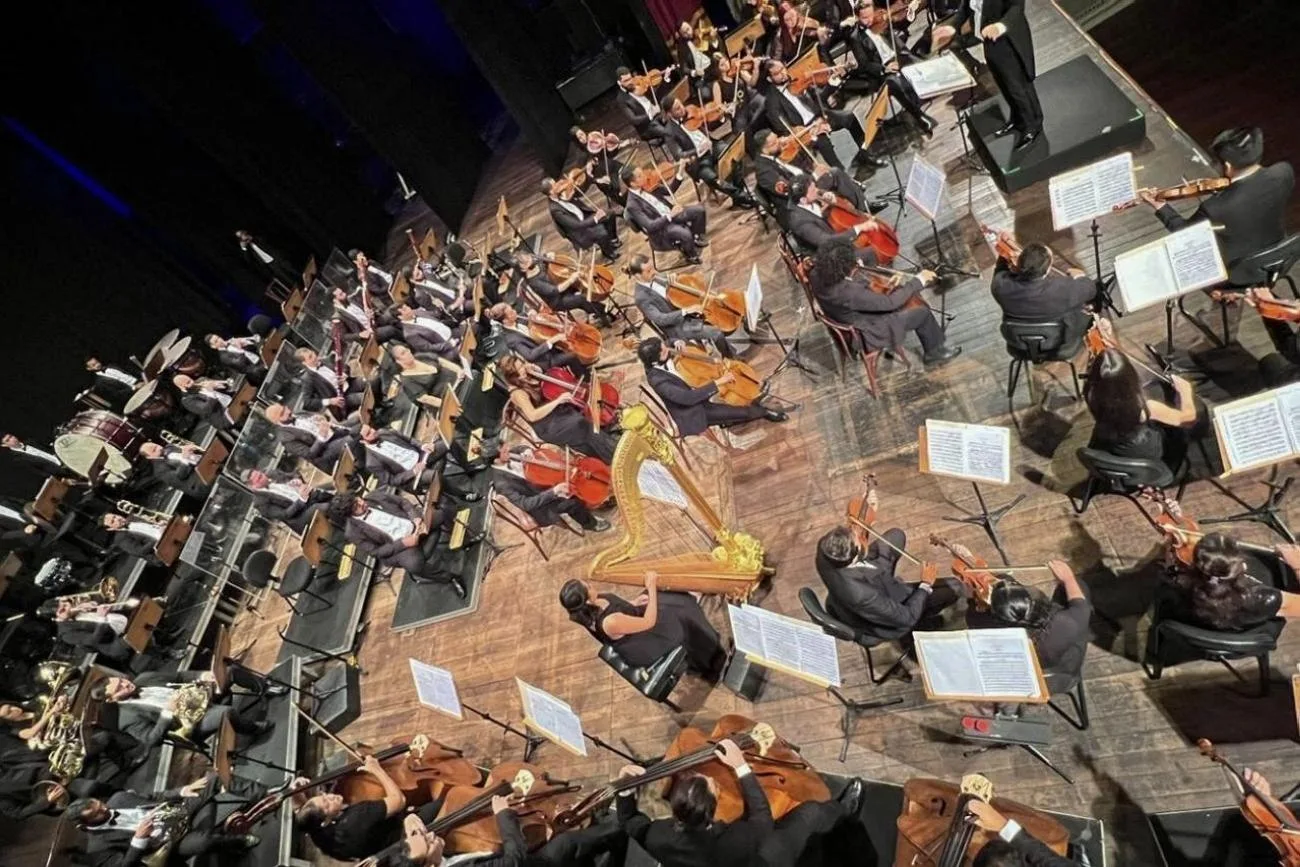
989	519
790	349
531	741
940	264
1103	301
1266	513
244	757
1029	748
853	710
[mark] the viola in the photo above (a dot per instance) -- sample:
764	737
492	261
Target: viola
884	281
583	340
880	238
800	138
560	380
862	511
422	771
1268	816
1183	531
587	477
820	77
466	822
653	177
971	570
1269	308
698	368
1007	248
651	78
724	309
1100	338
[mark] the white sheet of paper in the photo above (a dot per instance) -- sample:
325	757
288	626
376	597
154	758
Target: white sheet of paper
656	482
436	688
753	298
552	718
1288	397
948	664
1195	258
798	646
944	448
1253	433
1091	191
747	630
1005	659
970	451
819	656
1145	277
938	75
925	184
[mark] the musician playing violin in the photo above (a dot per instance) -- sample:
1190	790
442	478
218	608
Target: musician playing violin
546	506
787	110
641	108
1228	587
1013	846
579	222
561	421
698	150
1283	364
883	319
566	295
600	162
1030	291
878	63
775	176
730	83
692	408
667	224
1248	216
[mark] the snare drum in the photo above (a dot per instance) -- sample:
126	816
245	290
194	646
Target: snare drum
81	440
151	401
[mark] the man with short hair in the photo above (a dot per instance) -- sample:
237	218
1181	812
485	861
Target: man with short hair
667	225
692	407
1028	290
311	436
579	222
787	110
285	497
775	176
698	150
642	109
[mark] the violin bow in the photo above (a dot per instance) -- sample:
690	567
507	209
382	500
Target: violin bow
645	70
803	147
853	519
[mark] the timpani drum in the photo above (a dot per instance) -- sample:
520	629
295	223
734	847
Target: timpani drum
81	440
182	358
153	361
153	400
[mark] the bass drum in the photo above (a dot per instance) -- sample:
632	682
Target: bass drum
81	440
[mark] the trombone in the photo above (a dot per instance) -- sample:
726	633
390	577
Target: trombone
152	516
179	442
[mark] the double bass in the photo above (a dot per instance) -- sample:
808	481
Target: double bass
587	477
724	309
1270	817
698	368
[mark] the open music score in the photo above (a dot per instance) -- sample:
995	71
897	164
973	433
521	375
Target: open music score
980	665
656	483
1178	263
1092	191
552	718
436	688
938	76
925	185
1259	430
973	452
785	644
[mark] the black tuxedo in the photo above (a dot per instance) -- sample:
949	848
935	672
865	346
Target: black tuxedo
174	474
702	167
868	597
769	172
645	126
423	561
38	463
673	323
543	505
783	117
206	408
880	318
814	231
391	474
730	844
585	231
570	299
295	514
132	544
1010	58
235	360
1054	298
667	232
872	73
692	409
1252	212
94	637
322	454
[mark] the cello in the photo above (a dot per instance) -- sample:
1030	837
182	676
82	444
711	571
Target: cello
560	380
724	309
583	340
587	477
936	830
880	238
1267	815
466	822
697	368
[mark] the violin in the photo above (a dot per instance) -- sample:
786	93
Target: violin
881	237
799	138
971	570
884	281
703	115
658	176
587	477
820	77
651	78
583	340
935	829
1182	531
466	822
1007	248
1268	816
1101	337
698	368
861	512
560	380
1186	190
724	309
1279	309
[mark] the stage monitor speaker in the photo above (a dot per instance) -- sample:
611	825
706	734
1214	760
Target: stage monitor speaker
746	679
339	702
593	78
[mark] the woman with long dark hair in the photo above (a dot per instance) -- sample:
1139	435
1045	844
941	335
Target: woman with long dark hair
643	631
1132	424
558	421
1221	593
1058	626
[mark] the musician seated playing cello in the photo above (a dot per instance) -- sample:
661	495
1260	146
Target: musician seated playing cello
1230	588
546	506
568	294
502	320
562	421
1029	290
882	318
1013	846
686	323
864	592
126	828
775	176
806	218
692	407
1248	216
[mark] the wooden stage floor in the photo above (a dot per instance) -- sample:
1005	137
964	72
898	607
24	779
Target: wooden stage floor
791	486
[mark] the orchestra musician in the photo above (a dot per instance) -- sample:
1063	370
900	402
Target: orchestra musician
600	162
1230	588
133	537
878	64
1248	216
391	529
172	466
863	591
693	62
807	221
579	222
239	355
766	12
557	421
686	324
775	176
1132	424
377	281
399	461
1013	846
311	436
787	110
116	384
731	83
354	322
420	379
321	385
692	408
1282	365
697	148
425	333
1009	51
345	831
882	318
206	399
668	225
644	630
1029	291
567	295
267	260
95	627
642	111
39	459
285	497
543	353
546	506
433	293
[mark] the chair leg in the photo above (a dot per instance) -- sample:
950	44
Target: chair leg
1265	680
1074	376
1013	378
1223	316
1080	705
1088	493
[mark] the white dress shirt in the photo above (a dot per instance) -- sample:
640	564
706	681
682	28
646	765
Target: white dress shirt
805	116
660	208
392	526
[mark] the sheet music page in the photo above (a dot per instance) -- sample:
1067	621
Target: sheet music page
925	187
1073	197
1253	432
944	447
988	453
1288	398
552	717
938	75
948	663
1145	276
753	298
1195	257
819	656
435	688
657	483
747	630
1092	191
1005	659
780	640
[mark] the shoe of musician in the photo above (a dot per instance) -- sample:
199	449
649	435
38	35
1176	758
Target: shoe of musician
458	587
598	525
693	260
1006	129
928	125
250	841
273	690
874	162
475	538
701	241
875	206
775	415
742	203
609	260
1024	140
851	797
943	354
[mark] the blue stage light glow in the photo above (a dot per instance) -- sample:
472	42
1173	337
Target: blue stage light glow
69	168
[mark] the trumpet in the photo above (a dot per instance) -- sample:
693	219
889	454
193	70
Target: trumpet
179	442
152	516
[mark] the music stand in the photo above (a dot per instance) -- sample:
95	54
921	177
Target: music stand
292	306
870	120
223	747
531	741
344	469
315	541
51	497
366	412
270	346
144	619
400	290
735	40
503	220
239	404
169	545
209	465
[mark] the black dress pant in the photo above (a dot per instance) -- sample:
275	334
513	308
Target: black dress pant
1016	85
724	415
900	88
927	328
838	119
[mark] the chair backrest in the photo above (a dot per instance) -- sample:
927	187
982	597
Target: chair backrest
812	606
257	567
297	575
1033	341
513	515
1125	474
659	413
1274	261
655	681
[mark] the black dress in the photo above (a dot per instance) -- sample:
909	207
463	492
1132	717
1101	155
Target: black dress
681	622
567	426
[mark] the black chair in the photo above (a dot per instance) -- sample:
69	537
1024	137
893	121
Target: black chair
1068	681
836	628
1124	477
297	579
1030	343
655	681
654	250
1171	641
1274	262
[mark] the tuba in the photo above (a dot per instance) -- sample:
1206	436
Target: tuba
189	704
